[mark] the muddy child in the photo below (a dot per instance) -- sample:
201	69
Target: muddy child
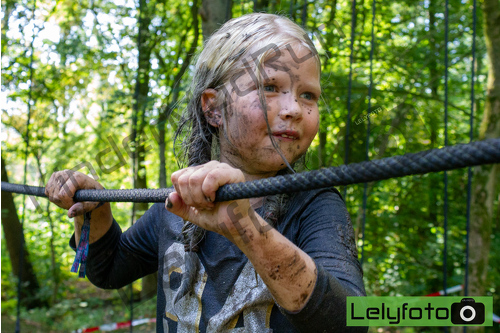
281	263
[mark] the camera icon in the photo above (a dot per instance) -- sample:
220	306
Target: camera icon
467	312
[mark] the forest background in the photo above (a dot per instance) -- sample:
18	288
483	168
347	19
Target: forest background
104	83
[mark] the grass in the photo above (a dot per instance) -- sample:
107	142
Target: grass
86	306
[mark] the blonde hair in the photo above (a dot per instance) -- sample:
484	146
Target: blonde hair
239	44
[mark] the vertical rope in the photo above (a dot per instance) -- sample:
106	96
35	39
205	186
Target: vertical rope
229	9
291	9
445	198
351	59
367	157
131	306
131	289
471	131
304	14
25	176
134	151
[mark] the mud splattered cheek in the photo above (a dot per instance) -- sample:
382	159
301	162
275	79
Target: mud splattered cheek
236	134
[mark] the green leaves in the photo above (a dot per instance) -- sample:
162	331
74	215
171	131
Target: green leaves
84	71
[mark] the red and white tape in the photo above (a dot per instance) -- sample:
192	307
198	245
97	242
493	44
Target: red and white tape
448	291
454	289
116	326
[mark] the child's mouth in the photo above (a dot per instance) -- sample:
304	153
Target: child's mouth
286	135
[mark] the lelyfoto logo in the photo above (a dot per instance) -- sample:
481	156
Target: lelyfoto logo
419	311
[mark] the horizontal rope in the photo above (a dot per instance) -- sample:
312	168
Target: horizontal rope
447	158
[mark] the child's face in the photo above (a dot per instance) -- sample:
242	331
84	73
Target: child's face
291	90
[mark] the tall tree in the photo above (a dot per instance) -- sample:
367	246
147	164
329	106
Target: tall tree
213	14
175	83
140	106
260	6
322	133
14	237
485	182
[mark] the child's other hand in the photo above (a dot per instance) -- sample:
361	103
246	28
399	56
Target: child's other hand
61	189
194	196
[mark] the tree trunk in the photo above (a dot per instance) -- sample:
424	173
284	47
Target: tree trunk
14	237
322	133
162	146
53	261
167	111
149	282
139	119
260	6
214	13
486	178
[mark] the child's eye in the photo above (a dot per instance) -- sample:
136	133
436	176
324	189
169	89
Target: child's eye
307	95
270	88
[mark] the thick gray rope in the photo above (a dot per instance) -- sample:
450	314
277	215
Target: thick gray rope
447	158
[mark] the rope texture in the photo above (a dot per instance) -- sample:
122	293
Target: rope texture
447	158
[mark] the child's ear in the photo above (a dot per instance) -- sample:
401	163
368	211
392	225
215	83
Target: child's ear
210	108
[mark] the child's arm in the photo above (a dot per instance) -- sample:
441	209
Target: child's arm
289	272
319	223
114	260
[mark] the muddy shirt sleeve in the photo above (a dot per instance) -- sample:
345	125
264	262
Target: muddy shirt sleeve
117	258
323	230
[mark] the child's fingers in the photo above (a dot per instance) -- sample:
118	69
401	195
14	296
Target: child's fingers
219	177
187	184
198	197
177	206
180	180
67	188
81	208
63	185
196	186
182	186
202	218
60	189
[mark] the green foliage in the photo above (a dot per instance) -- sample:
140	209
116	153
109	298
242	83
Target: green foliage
88	311
85	65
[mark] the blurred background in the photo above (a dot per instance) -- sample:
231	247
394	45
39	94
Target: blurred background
104	83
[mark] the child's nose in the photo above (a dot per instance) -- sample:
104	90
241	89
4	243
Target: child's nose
290	108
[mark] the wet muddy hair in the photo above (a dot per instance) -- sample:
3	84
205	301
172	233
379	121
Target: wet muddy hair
242	42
